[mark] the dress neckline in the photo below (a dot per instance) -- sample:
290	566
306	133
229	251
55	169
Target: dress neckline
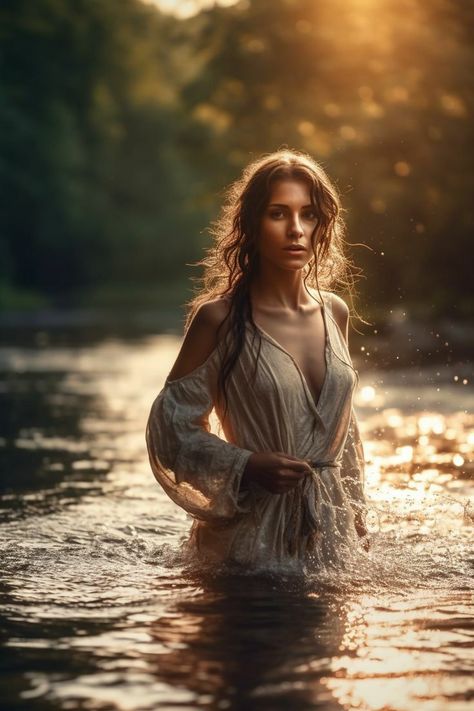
327	351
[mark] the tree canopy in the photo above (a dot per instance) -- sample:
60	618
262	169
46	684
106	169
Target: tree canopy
121	125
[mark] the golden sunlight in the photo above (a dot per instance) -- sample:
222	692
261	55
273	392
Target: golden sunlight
187	8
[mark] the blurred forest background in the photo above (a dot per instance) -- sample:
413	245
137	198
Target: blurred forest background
121	124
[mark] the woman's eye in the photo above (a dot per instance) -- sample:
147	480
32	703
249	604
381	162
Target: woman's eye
276	214
311	215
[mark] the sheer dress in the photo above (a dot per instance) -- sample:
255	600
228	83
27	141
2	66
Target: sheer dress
310	526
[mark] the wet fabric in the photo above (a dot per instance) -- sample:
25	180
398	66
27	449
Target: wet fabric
270	408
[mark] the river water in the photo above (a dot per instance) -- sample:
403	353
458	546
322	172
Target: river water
99	614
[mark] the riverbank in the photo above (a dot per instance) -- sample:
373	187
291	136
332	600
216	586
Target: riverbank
397	340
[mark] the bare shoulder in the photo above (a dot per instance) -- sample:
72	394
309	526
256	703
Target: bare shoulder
201	337
339	308
340	312
211	314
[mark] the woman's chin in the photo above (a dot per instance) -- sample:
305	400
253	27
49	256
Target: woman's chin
289	265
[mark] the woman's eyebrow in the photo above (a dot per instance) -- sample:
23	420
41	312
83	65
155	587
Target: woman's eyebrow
280	204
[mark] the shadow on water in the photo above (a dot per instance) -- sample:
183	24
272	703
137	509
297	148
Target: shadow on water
36	657
222	643
47	460
251	643
55	444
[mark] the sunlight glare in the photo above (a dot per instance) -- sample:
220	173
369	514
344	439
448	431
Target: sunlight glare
187	8
367	393
431	423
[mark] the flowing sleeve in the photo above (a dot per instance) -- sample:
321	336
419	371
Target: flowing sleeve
199	471
353	467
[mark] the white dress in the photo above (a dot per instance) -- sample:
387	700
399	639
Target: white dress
311	526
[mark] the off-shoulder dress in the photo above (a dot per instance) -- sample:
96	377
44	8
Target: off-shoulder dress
270	408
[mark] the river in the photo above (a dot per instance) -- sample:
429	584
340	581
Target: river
98	613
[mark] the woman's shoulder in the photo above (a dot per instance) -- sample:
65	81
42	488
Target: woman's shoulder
201	338
336	306
331	300
211	314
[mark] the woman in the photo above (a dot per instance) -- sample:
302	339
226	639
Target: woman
268	350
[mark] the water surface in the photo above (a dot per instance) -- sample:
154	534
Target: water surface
99	614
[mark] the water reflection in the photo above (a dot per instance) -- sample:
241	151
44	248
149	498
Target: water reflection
61	417
251	643
405	652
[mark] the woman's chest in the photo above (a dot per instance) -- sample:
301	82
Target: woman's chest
268	372
304	343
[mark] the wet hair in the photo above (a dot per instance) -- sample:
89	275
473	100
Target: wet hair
231	263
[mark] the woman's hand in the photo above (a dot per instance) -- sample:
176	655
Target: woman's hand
361	528
276	472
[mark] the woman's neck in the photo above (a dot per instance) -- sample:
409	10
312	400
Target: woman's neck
279	289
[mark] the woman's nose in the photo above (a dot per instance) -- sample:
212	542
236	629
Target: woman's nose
295	228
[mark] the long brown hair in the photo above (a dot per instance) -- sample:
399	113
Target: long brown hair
231	262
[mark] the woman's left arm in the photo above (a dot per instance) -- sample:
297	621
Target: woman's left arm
353	467
353	459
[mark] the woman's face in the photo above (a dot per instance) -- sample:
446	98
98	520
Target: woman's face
288	222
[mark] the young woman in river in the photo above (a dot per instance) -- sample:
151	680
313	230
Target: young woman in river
266	346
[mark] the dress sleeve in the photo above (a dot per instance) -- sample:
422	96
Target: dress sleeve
197	469
353	467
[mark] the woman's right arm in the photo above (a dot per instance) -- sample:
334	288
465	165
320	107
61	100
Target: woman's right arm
202	472
197	469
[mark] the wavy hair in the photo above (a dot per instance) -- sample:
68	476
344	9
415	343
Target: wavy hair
231	263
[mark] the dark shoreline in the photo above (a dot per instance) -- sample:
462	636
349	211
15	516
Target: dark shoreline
400	341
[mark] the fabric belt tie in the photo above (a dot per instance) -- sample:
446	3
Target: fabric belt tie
304	518
317	464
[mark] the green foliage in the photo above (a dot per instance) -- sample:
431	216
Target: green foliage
381	93
120	126
94	188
